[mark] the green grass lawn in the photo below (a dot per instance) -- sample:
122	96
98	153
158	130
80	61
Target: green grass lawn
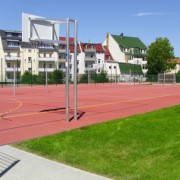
141	147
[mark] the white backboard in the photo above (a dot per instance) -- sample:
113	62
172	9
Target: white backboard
33	27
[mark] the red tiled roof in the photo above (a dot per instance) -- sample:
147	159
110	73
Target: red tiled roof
107	54
71	46
177	60
64	39
98	46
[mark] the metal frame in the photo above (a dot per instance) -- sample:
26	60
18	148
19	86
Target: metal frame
67	22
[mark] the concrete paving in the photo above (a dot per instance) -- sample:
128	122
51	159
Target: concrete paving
17	165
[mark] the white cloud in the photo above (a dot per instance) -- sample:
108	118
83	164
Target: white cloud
149	14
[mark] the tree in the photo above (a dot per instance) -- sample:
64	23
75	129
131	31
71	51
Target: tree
158	55
58	76
26	78
102	77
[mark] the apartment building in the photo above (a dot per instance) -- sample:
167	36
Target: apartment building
39	57
35	57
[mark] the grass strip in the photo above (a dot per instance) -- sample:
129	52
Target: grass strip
143	146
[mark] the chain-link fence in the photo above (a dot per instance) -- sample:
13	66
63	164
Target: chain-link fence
58	77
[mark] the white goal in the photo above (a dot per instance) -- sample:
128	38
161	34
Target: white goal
166	78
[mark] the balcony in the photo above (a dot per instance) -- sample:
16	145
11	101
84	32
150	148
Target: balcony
62	51
11	69
48	69
12	58
47	59
62	60
90	59
137	61
62	69
145	71
90	50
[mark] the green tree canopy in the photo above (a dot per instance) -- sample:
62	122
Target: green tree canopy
158	54
58	76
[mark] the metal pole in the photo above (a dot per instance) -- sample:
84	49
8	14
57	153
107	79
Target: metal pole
17	72
46	81
44	73
31	72
67	70
1	73
116	74
14	89
75	69
111	73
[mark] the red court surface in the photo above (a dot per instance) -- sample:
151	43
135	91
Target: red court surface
24	115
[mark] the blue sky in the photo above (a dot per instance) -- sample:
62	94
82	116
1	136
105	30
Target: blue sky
146	19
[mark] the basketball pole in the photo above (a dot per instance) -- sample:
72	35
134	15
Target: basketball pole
75	69
46	81
67	70
14	89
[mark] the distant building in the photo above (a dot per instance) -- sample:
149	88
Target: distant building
177	67
125	49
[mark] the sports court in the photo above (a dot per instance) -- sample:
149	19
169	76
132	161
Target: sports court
34	112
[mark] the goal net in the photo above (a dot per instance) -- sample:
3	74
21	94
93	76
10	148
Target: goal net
166	78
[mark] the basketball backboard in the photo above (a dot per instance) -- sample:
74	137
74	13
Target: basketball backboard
37	27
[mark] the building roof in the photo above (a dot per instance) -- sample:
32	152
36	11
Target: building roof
129	42
177	60
71	46
97	46
107	54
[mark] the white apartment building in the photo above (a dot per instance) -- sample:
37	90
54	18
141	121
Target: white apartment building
38	57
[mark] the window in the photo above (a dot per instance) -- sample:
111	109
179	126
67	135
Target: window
99	60
50	65
30	69
9	34
8	65
29	59
29	50
12	44
114	67
9	76
8	54
109	67
44	54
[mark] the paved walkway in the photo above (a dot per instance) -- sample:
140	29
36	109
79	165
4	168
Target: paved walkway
17	164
